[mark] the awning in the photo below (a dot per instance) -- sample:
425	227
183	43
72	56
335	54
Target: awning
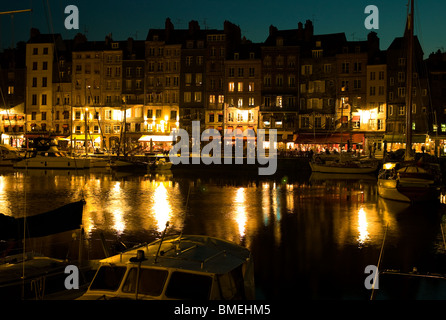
329	138
401	138
81	137
356	118
156	138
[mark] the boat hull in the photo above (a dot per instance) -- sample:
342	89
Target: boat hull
48	163
394	190
65	218
324	168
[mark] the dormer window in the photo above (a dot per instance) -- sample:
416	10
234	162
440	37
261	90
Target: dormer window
115	45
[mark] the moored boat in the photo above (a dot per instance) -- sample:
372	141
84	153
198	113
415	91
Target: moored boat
160	164
410	181
344	167
64	218
176	267
414	178
50	158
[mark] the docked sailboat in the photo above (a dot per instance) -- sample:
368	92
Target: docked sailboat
160	164
46	155
9	155
65	218
343	165
414	179
176	267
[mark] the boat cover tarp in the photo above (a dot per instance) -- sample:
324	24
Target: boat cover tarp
65	218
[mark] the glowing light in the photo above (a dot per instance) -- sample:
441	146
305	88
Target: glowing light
362	226
161	206
116	207
240	209
389	165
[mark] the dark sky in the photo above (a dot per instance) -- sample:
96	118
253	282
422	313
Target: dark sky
133	18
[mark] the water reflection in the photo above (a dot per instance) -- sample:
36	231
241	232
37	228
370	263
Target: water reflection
240	211
311	236
362	227
161	206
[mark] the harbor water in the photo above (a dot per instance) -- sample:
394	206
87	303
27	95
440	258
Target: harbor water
311	235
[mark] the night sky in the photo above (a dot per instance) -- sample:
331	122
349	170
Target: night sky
133	18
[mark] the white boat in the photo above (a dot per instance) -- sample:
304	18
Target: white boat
345	167
160	165
9	155
410	179
409	182
51	158
176	267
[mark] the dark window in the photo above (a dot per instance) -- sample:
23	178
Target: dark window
184	285
151	281
108	278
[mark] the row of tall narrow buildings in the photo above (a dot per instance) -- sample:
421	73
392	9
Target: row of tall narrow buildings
315	90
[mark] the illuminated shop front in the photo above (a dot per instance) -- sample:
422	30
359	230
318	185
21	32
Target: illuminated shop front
398	141
331	142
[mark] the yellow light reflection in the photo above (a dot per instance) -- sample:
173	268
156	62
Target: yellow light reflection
161	206
362	226
116	205
240	211
266	204
118	218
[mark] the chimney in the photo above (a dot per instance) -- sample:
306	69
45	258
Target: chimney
34	33
193	27
373	42
308	30
272	30
130	45
300	31
169	28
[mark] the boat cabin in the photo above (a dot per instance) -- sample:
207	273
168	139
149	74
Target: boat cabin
178	267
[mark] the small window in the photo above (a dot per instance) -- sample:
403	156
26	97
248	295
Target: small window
184	285
108	278
151	281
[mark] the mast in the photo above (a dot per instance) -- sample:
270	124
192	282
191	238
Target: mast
409	76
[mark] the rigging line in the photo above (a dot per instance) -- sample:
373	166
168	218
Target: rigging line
442	234
379	263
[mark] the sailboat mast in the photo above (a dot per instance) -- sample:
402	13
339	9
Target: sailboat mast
409	76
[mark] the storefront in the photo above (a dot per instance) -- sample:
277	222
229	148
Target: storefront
156	143
93	142
395	142
321	142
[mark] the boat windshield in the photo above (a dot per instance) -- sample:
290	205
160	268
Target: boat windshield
183	285
151	281
108	278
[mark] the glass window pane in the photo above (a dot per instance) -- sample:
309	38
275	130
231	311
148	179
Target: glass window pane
108	278
184	285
